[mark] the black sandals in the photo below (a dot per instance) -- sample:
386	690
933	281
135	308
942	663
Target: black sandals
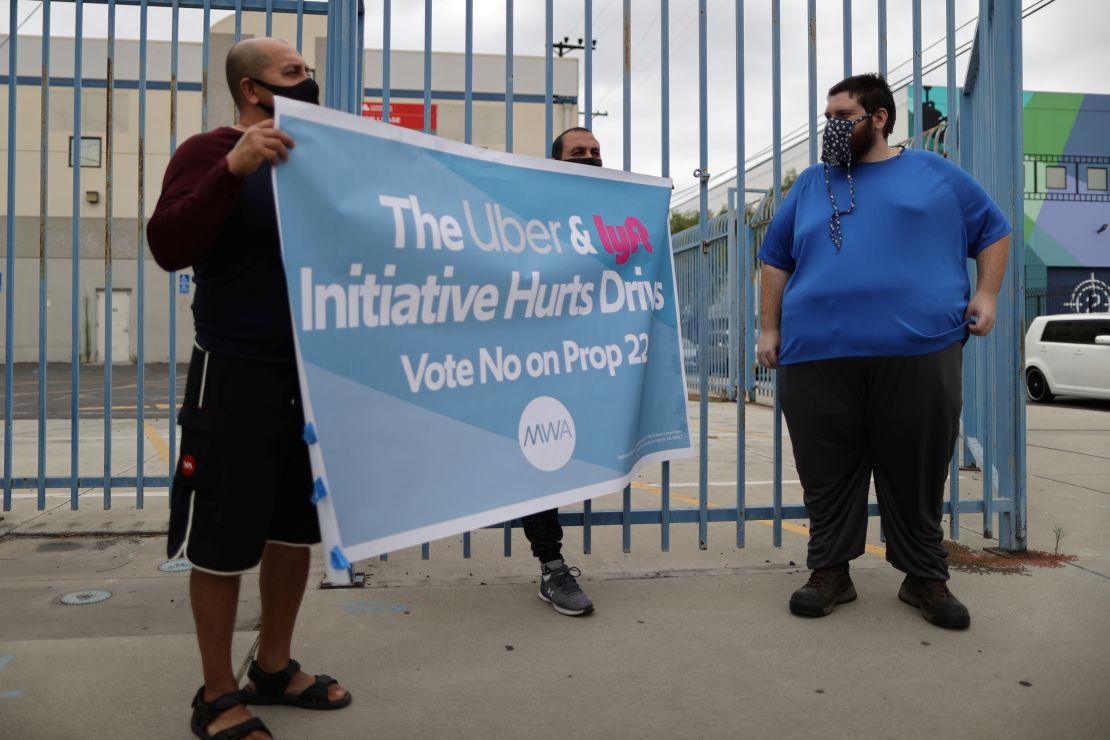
269	688
204	712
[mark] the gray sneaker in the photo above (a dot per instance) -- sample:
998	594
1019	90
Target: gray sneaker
559	588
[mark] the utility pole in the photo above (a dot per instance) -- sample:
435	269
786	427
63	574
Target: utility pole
564	47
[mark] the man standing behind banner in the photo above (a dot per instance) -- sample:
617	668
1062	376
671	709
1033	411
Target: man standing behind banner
241	492
865	307
558	585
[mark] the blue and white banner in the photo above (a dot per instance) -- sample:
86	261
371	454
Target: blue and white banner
480	335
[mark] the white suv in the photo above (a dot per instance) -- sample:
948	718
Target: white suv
1068	354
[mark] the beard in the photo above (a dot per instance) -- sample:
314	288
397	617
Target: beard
863	139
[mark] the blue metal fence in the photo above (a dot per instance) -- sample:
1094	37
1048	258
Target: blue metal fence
714	262
988	145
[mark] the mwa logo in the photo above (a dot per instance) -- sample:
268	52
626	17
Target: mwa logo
546	434
623	241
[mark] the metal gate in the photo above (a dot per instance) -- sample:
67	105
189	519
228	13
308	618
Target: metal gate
717	287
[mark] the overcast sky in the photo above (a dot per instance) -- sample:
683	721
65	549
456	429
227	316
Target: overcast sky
1066	48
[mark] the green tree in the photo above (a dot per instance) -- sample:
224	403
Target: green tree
682	220
788	180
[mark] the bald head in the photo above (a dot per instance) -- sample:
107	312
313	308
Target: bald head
264	59
248	58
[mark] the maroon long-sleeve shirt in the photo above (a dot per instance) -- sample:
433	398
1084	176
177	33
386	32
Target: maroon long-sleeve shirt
225	228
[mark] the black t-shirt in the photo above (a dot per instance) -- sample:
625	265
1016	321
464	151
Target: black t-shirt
226	229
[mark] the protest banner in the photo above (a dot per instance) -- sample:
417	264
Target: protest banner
480	335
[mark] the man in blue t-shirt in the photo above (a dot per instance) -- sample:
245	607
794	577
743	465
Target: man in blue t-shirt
864	309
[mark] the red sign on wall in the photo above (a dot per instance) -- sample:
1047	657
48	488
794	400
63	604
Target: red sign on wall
405	115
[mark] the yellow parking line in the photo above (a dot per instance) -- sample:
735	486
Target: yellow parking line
157	441
878	550
159	406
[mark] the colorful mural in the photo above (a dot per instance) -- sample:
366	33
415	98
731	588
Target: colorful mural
1067	201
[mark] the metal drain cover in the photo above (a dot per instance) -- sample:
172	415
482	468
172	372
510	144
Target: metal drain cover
175	566
85	597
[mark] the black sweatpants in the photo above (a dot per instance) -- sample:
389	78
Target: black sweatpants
545	534
892	417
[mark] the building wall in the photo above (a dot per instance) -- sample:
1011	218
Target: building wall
55	231
1067	136
1067	245
59	302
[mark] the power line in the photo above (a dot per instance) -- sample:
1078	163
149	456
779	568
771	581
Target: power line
21	24
682	32
800	133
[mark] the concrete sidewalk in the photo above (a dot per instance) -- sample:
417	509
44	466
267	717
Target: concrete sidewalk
689	643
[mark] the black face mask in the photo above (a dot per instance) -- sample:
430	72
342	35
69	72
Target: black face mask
307	91
592	161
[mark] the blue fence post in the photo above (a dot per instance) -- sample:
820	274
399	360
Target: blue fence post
626	86
140	269
548	74
360	53
847	38
428	66
75	267
468	130
1006	79
172	277
343	57
917	142
44	245
749	305
703	278
731	367
300	28
985	172
204	53
508	74
1016	283
882	37
950	152
811	56
588	72
776	189
971	411
107	348
387	52
950	61
665	166
9	258
742	270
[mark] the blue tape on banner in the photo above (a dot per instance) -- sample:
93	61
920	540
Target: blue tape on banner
309	434
339	561
318	491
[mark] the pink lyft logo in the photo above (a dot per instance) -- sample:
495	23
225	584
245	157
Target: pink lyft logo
623	241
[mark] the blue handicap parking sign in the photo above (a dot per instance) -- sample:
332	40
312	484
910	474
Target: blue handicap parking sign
183	284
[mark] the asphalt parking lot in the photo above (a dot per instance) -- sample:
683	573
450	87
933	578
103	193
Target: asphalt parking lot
125	390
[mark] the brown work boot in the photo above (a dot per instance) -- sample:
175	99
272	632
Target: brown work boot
936	602
825	588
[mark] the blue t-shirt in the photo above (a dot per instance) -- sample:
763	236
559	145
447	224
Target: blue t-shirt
899	284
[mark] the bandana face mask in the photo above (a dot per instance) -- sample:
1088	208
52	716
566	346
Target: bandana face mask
836	149
836	145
